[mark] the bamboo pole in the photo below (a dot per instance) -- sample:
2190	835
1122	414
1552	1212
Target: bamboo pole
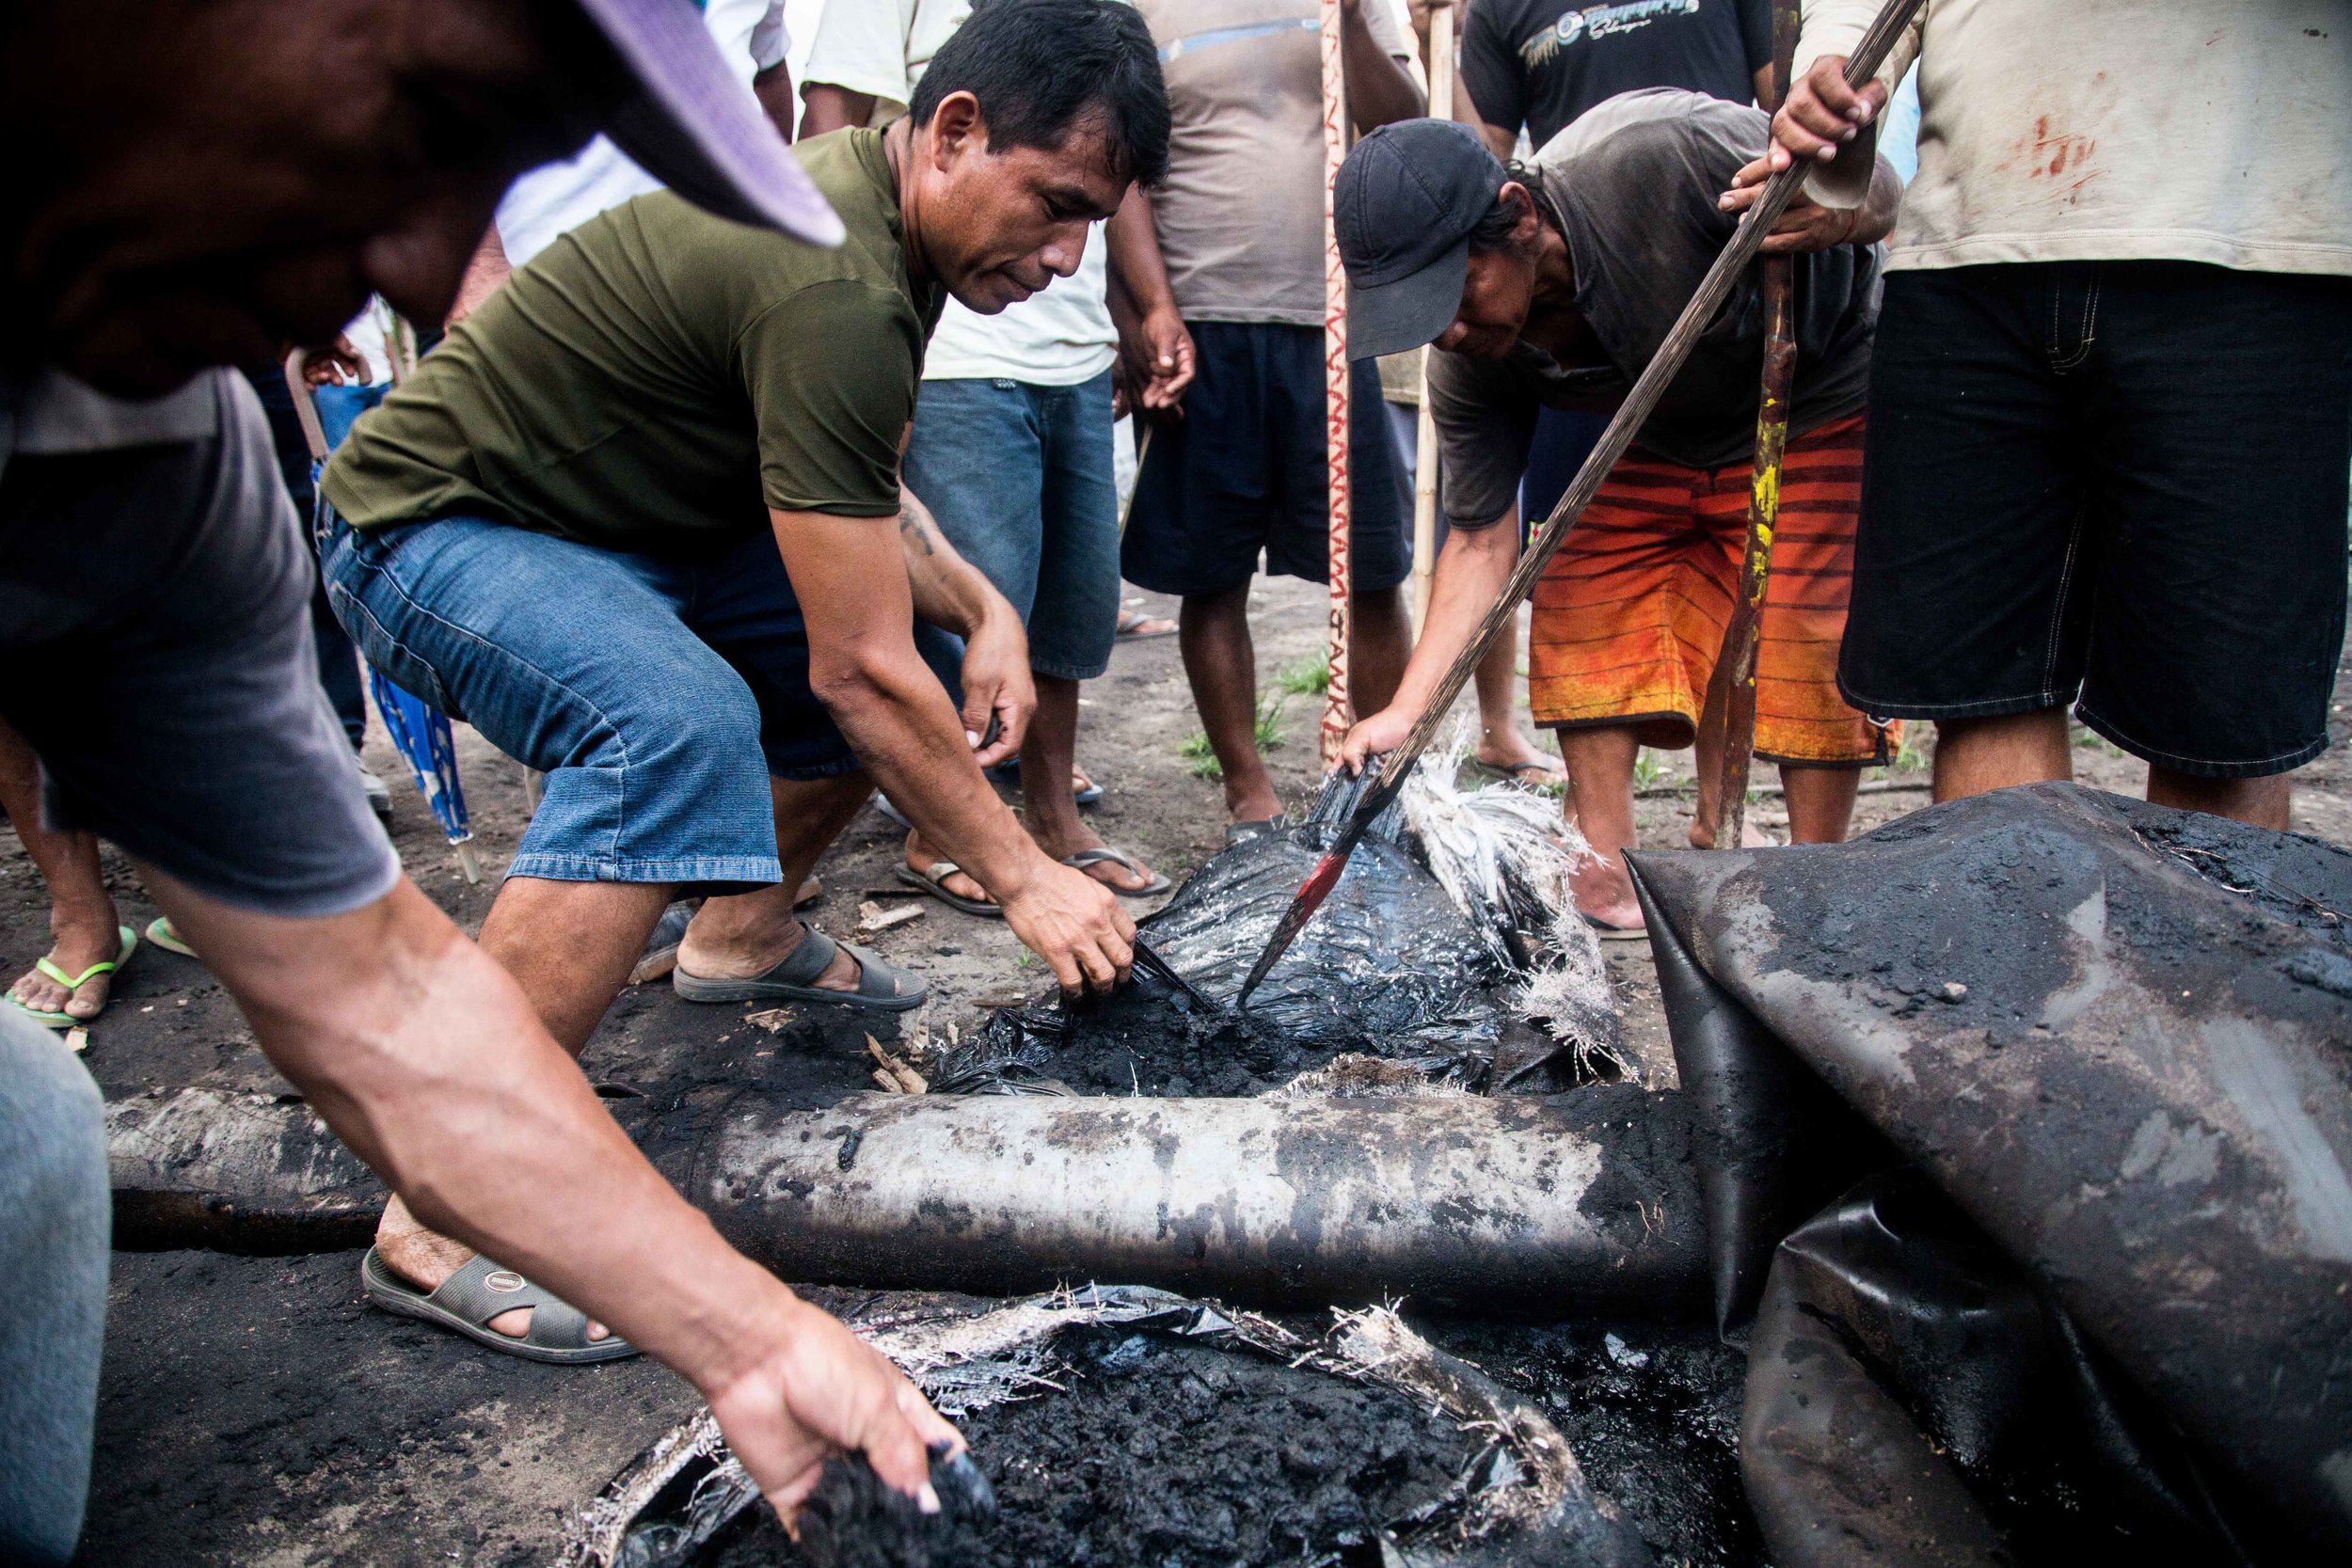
1440	65
1335	368
1731	693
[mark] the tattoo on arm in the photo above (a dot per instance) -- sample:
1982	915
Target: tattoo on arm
916	524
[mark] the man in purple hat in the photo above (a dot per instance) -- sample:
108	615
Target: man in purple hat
162	219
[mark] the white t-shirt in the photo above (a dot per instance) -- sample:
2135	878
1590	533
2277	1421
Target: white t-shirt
2171	129
1055	338
555	199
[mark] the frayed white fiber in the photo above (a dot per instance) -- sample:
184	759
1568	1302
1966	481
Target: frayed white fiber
1505	854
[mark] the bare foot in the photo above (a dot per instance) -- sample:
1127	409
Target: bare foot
1252	804
1604	891
425	1258
743	955
78	941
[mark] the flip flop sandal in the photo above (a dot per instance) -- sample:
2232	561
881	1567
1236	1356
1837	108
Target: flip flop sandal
1608	932
934	882
1242	832
883	987
75	982
161	933
1107	856
660	953
1132	623
1547	776
1008	773
469	1299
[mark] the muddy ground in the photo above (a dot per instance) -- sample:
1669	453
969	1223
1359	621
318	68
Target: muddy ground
253	1412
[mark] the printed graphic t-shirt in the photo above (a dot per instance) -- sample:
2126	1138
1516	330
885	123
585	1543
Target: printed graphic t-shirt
1541	63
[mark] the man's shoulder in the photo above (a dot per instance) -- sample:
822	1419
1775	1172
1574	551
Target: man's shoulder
1650	131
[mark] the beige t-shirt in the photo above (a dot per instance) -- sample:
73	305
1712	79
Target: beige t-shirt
1241	217
2216	131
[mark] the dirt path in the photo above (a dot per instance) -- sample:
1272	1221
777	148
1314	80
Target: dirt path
253	1412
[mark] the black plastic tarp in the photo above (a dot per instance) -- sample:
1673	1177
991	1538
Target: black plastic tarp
2118	1038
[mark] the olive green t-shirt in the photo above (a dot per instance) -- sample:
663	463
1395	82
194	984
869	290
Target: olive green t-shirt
658	378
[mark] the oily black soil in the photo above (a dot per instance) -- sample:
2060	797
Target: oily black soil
1150	1039
1652	1412
1177	1454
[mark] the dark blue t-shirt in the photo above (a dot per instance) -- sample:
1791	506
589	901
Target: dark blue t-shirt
1541	63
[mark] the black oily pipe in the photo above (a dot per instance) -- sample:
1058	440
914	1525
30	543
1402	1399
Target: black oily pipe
1586	1202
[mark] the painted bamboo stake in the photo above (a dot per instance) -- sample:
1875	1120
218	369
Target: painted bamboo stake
1664	365
1335	425
1425	425
1731	695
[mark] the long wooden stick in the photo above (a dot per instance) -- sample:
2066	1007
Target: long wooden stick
1730	714
1335	370
1663	366
1424	424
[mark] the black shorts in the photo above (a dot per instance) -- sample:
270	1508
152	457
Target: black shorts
1244	471
2116	483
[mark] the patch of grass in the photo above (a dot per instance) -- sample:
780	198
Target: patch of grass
1910	758
1196	749
1306	677
1648	771
2092	739
1271	735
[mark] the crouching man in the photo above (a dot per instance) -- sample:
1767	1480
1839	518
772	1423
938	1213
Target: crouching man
640	521
1553	286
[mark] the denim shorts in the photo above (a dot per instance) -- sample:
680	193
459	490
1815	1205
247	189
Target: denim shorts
1020	476
657	694
2120	485
1244	471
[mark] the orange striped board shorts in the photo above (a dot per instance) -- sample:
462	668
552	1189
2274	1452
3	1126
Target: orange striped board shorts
1628	617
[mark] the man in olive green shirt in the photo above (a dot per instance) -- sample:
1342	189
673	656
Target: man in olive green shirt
630	521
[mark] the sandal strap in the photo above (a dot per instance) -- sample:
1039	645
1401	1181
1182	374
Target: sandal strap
877	977
481	1291
1103	855
74	982
802	966
127	940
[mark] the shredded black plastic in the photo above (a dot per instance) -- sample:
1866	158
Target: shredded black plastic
1389	967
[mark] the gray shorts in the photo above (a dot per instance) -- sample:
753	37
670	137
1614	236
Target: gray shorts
155	649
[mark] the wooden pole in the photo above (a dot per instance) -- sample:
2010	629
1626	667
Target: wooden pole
1335	706
1440	63
1731	693
1664	365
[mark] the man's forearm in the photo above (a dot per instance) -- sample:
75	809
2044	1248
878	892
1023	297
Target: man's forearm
1137	265
1380	88
1876	219
949	592
1469	575
828	107
423	1055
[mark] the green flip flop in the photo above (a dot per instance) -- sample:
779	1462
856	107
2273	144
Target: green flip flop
75	982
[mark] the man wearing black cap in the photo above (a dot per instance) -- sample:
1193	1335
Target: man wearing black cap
165	216
1554	285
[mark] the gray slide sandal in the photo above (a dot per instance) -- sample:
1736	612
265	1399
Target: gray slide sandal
480	1290
882	986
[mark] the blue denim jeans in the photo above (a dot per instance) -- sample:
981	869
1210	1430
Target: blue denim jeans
56	1217
659	695
1020	476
